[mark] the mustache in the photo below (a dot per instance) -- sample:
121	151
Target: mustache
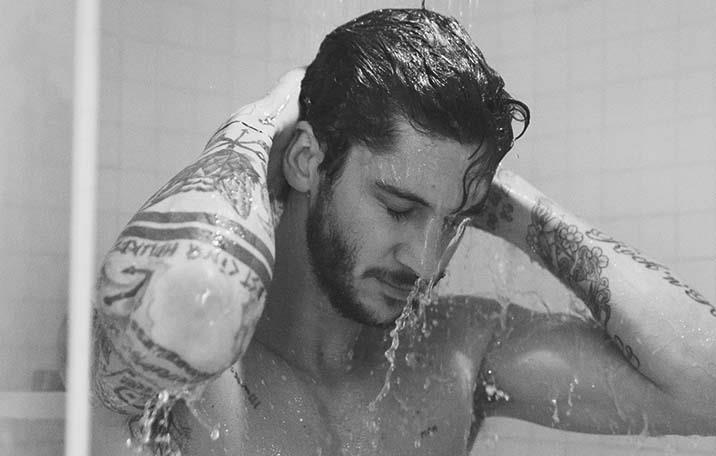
400	278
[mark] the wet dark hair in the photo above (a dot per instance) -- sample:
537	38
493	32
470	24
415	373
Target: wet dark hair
413	64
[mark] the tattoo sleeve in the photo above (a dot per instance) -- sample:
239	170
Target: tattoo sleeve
180	291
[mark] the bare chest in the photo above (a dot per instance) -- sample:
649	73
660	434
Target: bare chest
423	406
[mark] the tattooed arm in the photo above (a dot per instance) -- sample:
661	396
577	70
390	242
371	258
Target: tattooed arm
655	367
182	288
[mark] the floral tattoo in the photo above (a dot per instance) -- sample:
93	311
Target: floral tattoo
579	266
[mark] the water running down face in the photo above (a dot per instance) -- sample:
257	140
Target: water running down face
388	220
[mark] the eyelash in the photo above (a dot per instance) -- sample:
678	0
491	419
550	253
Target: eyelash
398	215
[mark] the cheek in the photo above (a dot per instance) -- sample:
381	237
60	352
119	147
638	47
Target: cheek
367	234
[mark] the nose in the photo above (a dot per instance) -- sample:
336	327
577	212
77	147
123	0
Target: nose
427	250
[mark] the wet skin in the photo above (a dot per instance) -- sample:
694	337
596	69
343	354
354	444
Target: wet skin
314	363
429	409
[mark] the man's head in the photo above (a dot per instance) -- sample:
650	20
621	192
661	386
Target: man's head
402	127
410	64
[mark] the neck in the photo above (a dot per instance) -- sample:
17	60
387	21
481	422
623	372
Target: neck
299	323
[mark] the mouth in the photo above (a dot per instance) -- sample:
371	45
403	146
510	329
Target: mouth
396	292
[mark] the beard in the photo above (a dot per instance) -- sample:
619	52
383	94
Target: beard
333	258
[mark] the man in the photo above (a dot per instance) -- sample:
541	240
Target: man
402	127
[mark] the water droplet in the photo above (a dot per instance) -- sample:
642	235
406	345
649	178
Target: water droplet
215	433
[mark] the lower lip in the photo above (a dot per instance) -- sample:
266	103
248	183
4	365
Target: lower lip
394	293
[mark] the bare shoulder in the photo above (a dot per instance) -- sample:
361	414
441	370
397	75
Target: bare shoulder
465	322
465	311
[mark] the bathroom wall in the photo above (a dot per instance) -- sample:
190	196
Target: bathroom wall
623	97
622	94
36	42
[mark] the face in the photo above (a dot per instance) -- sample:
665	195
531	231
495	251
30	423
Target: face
389	219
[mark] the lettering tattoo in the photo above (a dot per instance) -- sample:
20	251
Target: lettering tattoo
219	241
142	248
211	220
225	263
627	351
252	398
623	249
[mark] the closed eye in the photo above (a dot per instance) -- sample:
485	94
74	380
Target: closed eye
399	215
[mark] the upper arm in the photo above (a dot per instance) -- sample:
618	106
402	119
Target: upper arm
565	372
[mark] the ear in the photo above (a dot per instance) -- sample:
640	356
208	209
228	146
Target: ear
301	159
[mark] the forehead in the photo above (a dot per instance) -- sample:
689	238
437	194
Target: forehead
430	166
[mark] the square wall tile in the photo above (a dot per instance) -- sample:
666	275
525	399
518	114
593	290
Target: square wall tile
176	109
177	23
47	231
657	192
622	18
700	274
657	53
696	235
108	144
587	64
585	197
697	45
696	93
176	66
659	14
658	99
658	145
696	187
623	149
658	236
551	29
110	99
621	59
140	19
585	22
586	150
622	106
138	147
696	140
551	71
623	229
139	60
138	103
135	187
49	186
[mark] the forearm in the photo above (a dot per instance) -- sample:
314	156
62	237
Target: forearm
180	291
664	328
